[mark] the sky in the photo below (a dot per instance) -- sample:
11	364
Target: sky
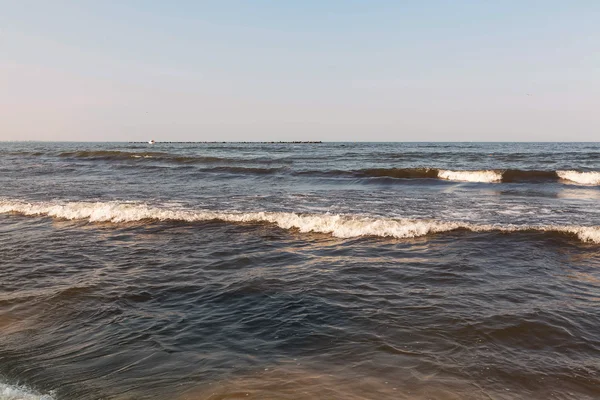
337	70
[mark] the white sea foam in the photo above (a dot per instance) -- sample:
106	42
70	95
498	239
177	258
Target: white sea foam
582	178
9	392
470	176
342	226
585	233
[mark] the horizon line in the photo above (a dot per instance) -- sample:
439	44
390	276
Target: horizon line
288	142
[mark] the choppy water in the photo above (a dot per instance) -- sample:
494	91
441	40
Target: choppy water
299	271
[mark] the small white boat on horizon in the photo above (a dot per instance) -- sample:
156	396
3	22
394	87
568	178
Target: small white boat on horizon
151	141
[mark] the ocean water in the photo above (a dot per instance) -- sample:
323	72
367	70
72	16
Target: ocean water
299	271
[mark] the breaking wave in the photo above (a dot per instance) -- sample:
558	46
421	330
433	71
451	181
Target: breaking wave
240	165
342	226
483	176
582	178
470	176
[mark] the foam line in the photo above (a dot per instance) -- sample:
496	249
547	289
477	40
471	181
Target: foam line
342	226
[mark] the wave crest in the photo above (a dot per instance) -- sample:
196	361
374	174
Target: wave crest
582	178
471	176
342	226
476	176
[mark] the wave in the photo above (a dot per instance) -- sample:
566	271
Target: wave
582	178
470	176
243	170
484	176
589	178
9	392
110	154
517	175
25	153
115	155
340	225
402	173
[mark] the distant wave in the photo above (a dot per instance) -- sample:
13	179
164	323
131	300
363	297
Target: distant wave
111	154
484	176
9	392
243	165
243	170
342	226
114	155
25	153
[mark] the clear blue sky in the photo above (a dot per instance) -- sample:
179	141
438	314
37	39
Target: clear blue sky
291	70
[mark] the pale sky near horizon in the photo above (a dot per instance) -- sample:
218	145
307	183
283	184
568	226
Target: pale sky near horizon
339	70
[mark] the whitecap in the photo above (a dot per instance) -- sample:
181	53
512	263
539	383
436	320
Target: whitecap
470	176
337	225
582	178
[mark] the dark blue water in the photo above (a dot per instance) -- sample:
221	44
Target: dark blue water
300	271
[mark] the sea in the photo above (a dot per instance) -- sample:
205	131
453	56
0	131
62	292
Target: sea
447	271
